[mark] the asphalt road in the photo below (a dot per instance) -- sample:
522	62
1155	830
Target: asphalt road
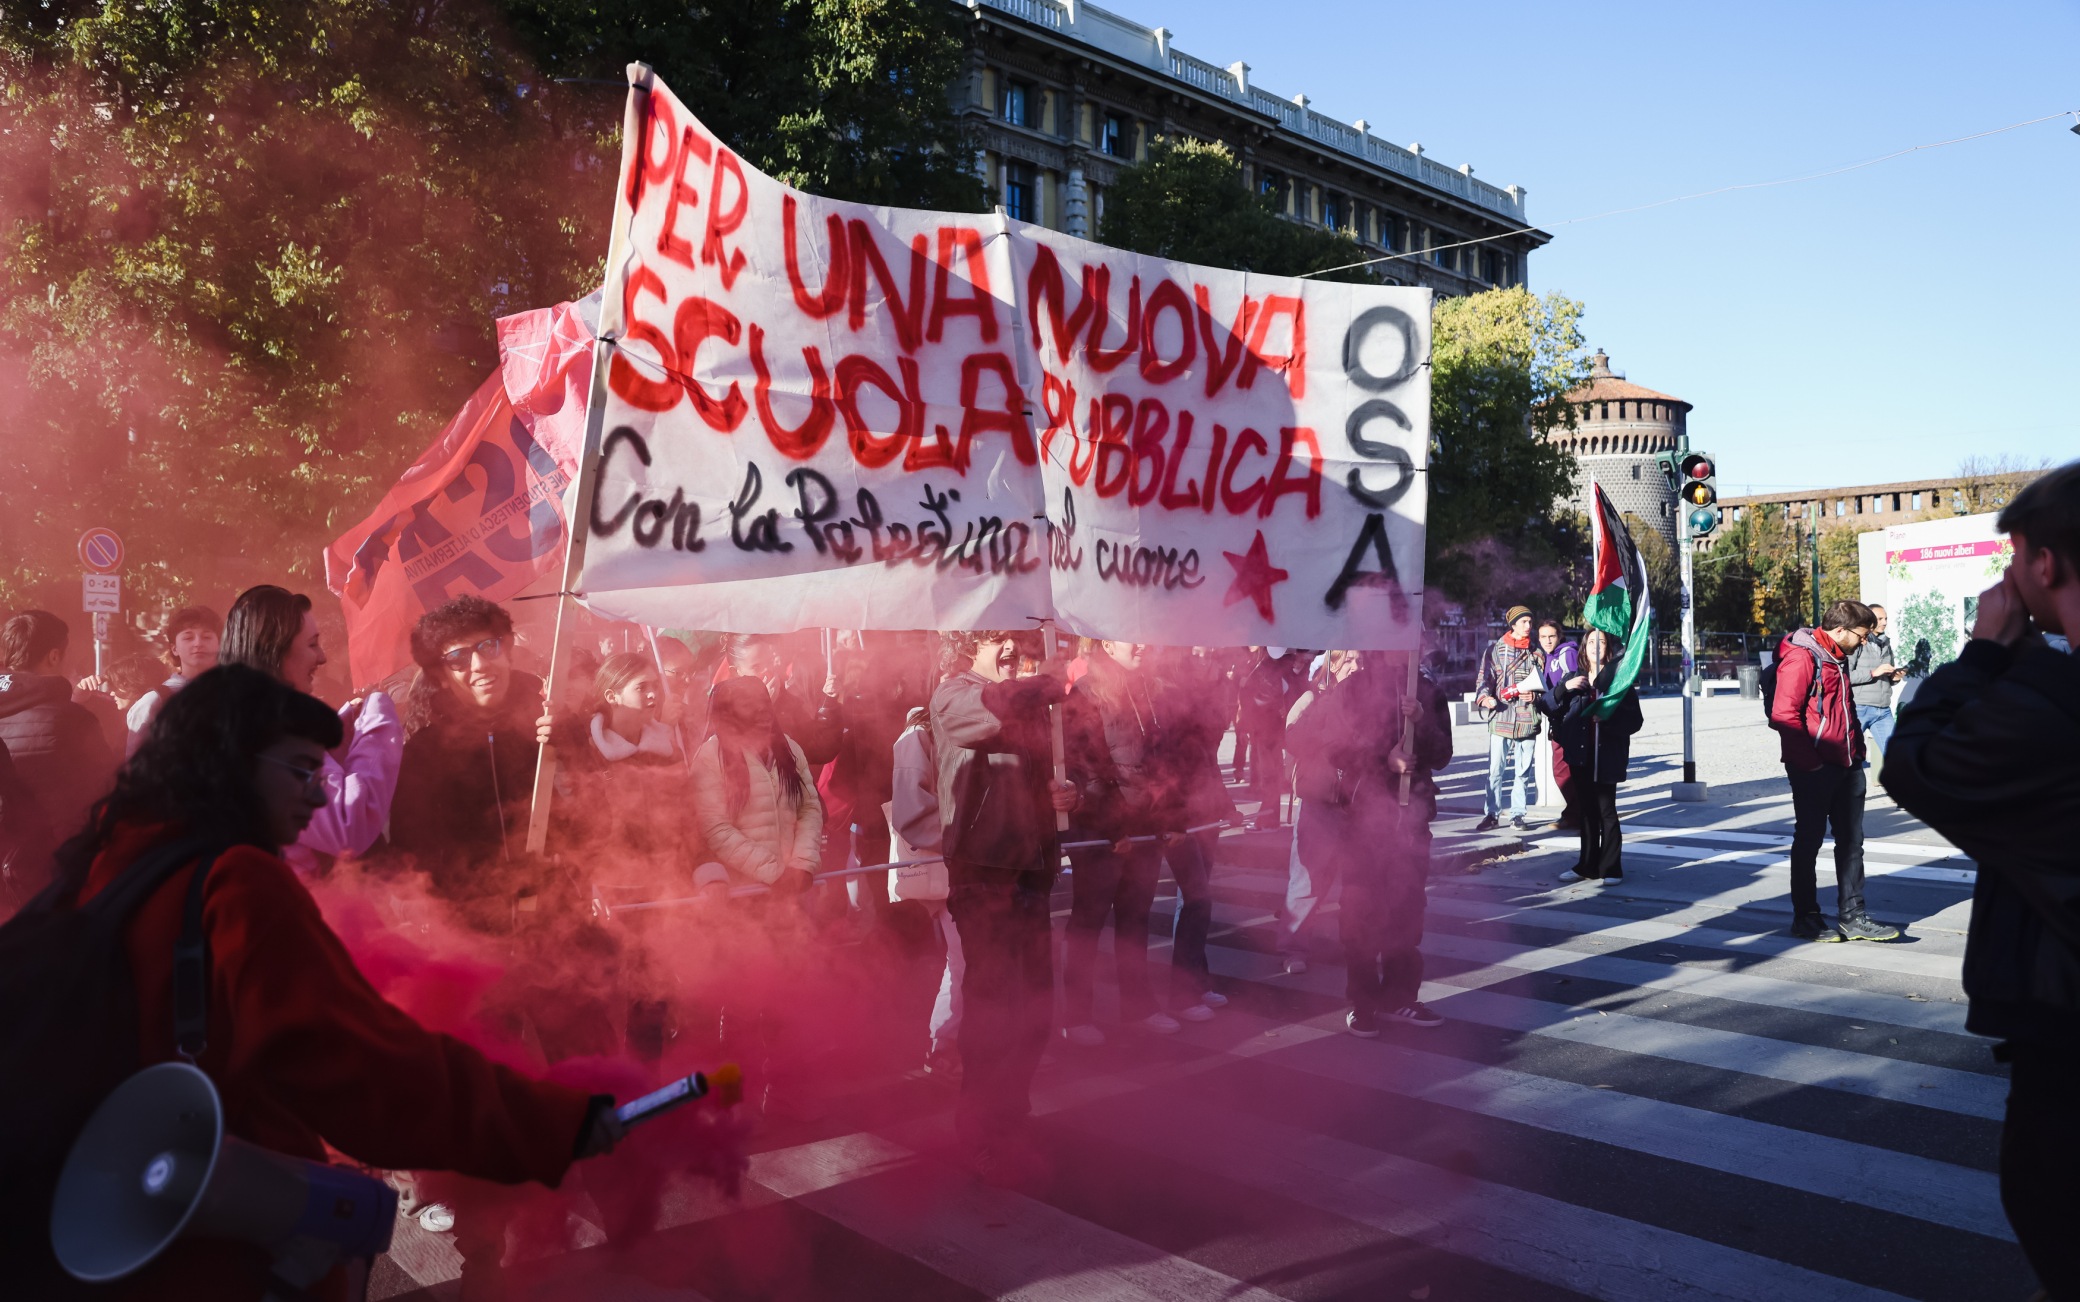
1643	1091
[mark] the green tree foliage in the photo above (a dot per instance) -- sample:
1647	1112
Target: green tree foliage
250	254
1664	571
1500	362
1187	202
843	98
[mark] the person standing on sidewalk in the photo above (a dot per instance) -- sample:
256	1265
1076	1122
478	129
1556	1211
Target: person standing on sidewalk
1501	689
1598	751
1871	676
1983	755
1822	750
1346	740
1560	661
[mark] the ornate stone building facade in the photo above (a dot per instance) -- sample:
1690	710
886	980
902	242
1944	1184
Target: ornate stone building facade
1063	95
1621	426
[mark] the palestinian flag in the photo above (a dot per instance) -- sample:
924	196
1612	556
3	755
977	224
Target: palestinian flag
1618	598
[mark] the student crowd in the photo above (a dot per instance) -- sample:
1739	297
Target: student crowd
738	780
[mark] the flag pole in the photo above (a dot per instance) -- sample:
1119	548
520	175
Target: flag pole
1415	683
578	516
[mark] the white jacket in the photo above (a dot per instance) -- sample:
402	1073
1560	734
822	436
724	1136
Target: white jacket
764	837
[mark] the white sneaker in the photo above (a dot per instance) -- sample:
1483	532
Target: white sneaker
1295	966
436	1218
1196	1013
1162	1023
1085	1036
1214	999
1570	877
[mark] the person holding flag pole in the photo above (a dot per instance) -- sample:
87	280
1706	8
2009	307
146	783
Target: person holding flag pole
1596	712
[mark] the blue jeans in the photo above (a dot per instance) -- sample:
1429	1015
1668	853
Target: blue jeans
1876	722
1503	751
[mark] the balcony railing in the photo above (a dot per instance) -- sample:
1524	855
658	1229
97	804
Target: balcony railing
1151	48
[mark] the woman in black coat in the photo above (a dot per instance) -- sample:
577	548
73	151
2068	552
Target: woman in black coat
1597	751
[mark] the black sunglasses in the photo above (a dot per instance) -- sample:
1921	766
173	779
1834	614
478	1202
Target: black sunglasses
491	648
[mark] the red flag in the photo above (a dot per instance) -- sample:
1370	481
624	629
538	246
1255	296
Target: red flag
481	511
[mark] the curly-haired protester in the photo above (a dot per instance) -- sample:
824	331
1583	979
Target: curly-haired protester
193	636
302	1049
467	773
272	630
1984	755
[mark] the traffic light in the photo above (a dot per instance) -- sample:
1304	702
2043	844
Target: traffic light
1672	476
1699	492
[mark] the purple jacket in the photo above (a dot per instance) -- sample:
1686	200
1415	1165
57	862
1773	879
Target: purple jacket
1563	663
357	792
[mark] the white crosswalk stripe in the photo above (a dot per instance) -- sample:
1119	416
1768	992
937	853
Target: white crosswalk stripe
1639	1095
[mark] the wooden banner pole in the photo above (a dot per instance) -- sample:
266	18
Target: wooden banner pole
578	514
1051	648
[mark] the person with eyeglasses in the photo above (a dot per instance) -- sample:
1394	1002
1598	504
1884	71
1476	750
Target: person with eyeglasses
273	630
467	776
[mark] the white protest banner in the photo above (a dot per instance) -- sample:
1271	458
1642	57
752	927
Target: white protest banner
823	414
1231	459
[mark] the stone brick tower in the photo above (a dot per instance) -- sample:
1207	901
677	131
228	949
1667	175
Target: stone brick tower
1621	426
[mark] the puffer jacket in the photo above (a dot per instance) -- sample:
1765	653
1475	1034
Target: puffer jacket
1814	728
765	835
57	747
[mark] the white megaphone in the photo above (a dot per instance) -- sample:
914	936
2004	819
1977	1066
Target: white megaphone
154	1165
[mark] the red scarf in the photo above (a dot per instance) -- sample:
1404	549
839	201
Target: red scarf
1520	643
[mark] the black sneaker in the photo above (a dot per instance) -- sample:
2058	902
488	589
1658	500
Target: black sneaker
1416	1015
1811	926
1487	824
1361	1023
1521	823
1858	926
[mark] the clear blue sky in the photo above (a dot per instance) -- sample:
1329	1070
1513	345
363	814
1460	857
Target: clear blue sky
1863	328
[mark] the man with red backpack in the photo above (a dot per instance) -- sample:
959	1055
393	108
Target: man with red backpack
1815	719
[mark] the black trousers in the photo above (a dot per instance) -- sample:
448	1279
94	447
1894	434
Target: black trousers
2040	1165
1381	920
1827	797
1007	994
1121	887
1594	806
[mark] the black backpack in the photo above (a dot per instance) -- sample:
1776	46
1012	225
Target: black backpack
69	1035
1767	680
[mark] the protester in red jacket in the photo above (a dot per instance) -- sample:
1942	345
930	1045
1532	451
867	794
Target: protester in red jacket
1823	761
302	1049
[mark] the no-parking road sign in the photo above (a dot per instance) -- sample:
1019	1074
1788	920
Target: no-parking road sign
100	550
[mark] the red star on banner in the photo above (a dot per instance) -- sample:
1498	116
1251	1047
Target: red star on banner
1254	575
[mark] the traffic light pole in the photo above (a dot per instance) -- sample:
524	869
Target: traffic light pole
1689	790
